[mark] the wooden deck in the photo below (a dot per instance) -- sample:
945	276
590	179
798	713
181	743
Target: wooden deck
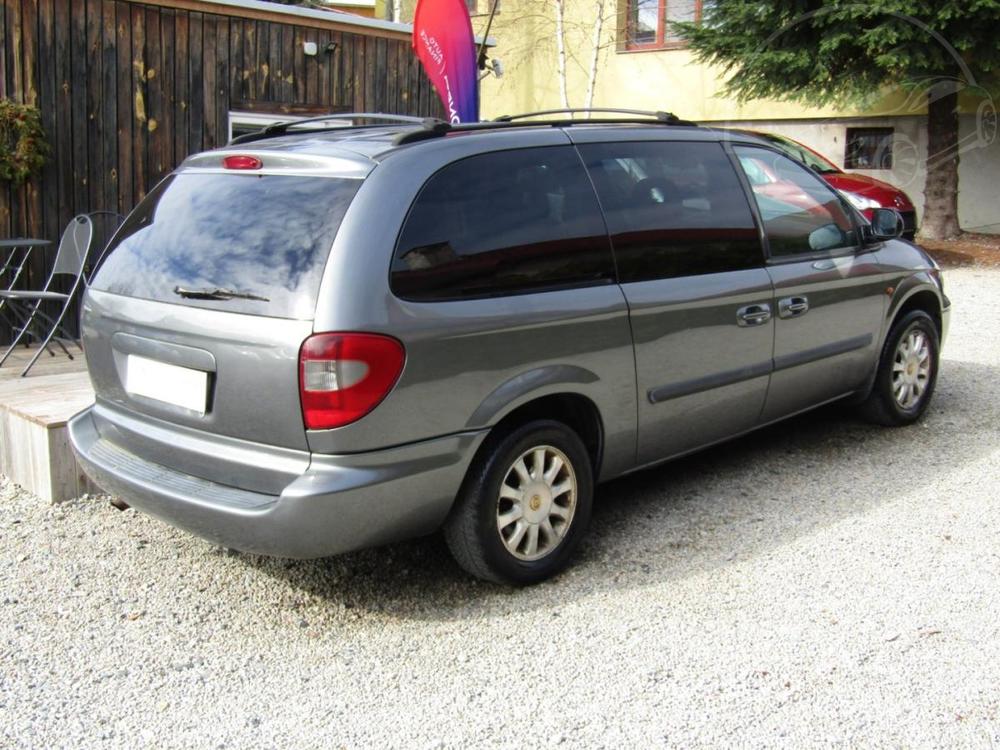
34	446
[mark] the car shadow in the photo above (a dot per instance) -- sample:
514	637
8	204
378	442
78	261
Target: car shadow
719	507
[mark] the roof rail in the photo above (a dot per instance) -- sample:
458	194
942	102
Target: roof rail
632	116
432	127
280	128
666	117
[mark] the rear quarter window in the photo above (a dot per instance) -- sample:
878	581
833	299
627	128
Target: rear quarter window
262	235
503	223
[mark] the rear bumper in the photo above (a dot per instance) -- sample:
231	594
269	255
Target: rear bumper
339	504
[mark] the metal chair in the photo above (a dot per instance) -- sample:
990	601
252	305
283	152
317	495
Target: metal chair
70	260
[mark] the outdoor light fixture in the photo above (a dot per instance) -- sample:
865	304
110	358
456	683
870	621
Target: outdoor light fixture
311	49
488	66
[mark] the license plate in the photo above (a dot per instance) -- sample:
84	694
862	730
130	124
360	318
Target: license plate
171	384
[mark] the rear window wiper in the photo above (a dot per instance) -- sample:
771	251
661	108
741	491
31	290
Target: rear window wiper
217	293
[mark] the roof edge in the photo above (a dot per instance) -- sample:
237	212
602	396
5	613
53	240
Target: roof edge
326	17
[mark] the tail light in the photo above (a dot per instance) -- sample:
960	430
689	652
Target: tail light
343	376
242	162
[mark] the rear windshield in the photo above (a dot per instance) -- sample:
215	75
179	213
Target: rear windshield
240	243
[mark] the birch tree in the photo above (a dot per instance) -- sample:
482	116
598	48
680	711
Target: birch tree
595	53
578	42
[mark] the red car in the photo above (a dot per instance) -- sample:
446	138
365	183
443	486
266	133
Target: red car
865	193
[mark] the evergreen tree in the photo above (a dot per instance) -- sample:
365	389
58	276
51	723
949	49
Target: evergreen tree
847	52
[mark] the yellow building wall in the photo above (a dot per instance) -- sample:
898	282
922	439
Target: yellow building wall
525	32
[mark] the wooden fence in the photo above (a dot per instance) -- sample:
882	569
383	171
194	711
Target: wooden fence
127	89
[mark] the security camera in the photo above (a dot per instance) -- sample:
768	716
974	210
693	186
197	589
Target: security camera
497	67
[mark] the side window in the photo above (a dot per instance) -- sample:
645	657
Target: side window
801	213
503	223
673	209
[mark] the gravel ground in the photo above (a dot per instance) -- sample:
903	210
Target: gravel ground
820	583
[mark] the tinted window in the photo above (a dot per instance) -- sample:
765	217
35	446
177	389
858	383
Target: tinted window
673	209
503	223
814	161
266	235
801	213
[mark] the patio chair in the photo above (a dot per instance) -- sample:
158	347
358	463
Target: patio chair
70	259
106	226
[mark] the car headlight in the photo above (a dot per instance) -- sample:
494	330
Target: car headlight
860	202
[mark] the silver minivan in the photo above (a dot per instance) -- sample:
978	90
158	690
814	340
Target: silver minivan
317	340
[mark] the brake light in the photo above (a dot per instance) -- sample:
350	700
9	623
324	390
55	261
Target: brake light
242	162
343	376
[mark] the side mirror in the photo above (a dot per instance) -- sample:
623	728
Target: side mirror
886	224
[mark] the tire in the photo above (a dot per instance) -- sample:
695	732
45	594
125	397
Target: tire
483	530
899	373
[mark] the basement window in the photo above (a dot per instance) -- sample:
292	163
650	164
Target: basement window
868	148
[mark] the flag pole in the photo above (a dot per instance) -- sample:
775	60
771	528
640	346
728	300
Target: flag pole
481	57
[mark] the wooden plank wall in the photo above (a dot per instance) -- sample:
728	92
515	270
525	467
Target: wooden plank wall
128	89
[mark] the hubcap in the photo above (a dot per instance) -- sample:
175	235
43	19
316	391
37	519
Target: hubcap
537	502
911	369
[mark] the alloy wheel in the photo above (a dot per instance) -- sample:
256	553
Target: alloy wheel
536	503
911	369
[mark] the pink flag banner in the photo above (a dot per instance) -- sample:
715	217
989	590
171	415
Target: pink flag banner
443	41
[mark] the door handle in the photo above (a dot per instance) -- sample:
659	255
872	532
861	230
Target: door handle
753	315
793	307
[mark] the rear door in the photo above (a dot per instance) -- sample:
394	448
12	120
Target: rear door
690	264
196	316
829	299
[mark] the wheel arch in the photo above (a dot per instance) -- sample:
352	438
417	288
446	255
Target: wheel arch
921	294
574	409
924	297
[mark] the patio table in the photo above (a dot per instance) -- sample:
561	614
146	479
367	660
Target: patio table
14	248
15	253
